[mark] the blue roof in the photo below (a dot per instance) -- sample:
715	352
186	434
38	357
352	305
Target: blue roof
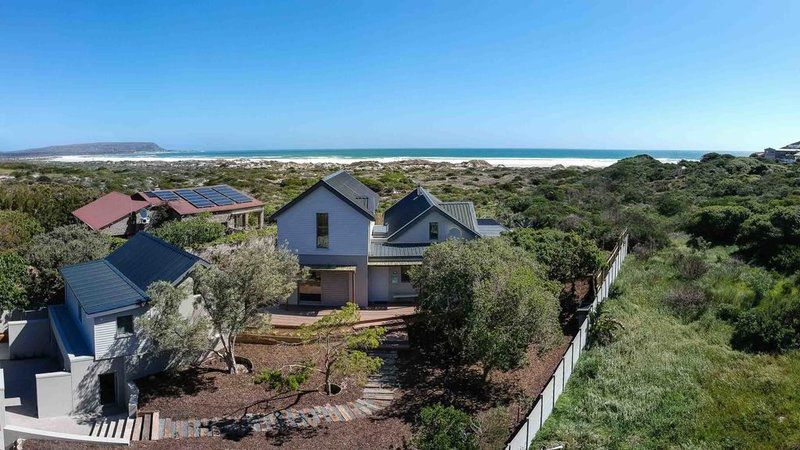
98	286
145	259
121	278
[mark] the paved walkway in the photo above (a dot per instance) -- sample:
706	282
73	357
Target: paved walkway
378	393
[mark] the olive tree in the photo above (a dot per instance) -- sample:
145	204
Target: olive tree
483	302
242	280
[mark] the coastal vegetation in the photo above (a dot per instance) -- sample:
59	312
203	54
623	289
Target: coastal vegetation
697	346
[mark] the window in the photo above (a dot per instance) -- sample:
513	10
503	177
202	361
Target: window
433	231
310	289
404	278
322	230
124	326
239	220
108	388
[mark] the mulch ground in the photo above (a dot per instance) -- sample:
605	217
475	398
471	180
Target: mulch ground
209	391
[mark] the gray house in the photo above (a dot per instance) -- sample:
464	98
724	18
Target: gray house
332	228
100	349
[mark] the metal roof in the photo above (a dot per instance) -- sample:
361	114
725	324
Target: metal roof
144	259
67	329
407	208
108	209
354	190
490	228
120	279
463	212
378	250
344	186
98	286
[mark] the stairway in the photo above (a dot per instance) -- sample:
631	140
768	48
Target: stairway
144	427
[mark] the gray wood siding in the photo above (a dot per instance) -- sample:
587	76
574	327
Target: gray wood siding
106	343
418	232
347	228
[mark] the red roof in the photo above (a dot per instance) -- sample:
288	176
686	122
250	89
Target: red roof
108	209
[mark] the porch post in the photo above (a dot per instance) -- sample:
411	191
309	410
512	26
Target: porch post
261	219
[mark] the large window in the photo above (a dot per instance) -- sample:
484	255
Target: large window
124	326
433	231
310	289
322	230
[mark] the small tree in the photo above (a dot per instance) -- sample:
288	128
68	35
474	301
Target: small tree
242	280
169	330
62	246
444	427
343	349
13	282
482	302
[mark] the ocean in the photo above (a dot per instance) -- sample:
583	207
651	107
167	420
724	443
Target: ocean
511	157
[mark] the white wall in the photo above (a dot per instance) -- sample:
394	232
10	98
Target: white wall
29	338
348	229
418	232
53	394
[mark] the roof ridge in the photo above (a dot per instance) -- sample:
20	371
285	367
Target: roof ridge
169	245
124	278
81	264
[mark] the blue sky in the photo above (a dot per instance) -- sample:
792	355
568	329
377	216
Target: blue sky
256	75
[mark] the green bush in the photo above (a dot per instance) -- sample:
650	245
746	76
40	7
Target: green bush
567	256
17	228
687	300
720	224
191	233
757	331
442	427
13	282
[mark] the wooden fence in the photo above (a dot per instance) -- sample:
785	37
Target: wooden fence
546	401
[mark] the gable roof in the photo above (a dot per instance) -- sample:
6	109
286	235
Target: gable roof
108	209
407	208
344	186
422	215
144	259
418	203
120	279
98	286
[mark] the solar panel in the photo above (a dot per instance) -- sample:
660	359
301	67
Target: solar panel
233	194
205	190
166	195
149	194
219	199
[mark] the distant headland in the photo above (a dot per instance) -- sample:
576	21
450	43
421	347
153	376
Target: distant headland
93	148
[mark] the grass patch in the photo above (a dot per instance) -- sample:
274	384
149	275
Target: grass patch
668	382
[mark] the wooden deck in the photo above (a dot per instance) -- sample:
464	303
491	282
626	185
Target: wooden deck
289	317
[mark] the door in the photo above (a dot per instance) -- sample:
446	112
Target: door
108	388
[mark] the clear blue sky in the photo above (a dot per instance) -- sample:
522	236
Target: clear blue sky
255	75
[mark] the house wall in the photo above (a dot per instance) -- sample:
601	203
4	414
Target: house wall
53	394
418	232
118	228
348	229
85	323
381	287
106	342
360	278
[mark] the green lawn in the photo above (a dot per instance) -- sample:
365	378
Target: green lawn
667	382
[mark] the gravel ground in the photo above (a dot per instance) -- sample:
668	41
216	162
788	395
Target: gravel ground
210	392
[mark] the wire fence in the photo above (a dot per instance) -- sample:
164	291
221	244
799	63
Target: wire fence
543	407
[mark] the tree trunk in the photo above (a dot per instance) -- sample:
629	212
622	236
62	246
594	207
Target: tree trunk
230	359
328	389
486	371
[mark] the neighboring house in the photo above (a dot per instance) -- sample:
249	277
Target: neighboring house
788	154
123	215
95	330
331	226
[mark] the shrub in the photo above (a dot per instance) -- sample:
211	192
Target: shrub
444	427
719	223
567	256
285	379
17	228
191	233
689	266
756	331
13	282
604	329
687	300
492	427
